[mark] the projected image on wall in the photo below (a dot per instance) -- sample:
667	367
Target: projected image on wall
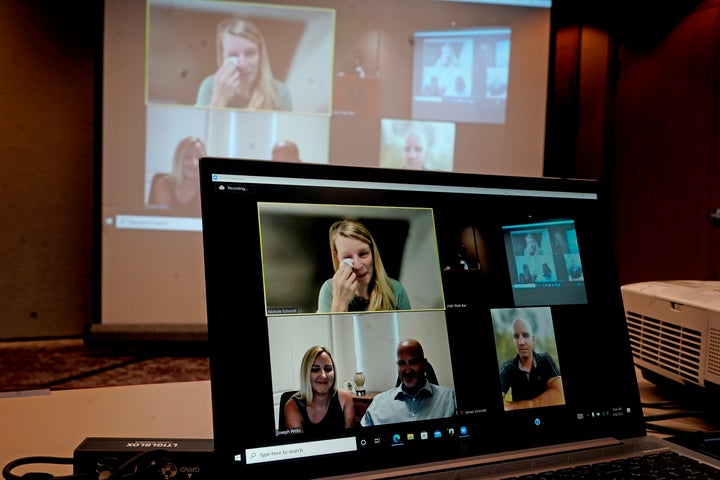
417	145
327	75
239	55
461	75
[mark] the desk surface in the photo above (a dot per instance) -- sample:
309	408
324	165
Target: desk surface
54	423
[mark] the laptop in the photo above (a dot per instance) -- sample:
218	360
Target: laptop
483	273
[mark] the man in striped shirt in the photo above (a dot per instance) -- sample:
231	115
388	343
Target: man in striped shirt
415	398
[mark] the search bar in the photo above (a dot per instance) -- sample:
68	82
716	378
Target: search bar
152	222
300	450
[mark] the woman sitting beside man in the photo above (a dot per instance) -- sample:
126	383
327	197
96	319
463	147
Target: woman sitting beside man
319	407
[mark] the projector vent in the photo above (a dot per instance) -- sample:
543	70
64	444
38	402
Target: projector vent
666	346
713	363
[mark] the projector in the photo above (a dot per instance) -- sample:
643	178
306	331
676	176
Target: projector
674	329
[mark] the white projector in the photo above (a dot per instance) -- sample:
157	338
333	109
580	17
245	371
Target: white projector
675	330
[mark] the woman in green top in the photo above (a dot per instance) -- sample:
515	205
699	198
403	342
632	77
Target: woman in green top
360	282
244	78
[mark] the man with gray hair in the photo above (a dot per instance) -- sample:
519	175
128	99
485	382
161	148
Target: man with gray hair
530	379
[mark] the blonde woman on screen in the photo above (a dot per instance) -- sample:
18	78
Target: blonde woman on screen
360	282
180	189
244	78
319	407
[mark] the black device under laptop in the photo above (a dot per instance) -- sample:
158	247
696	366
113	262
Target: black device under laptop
473	253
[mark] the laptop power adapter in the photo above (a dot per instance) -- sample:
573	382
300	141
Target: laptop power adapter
182	459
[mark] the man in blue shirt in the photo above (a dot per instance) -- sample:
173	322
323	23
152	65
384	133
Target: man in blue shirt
415	398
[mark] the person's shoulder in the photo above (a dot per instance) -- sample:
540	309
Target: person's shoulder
283	95
396	285
344	394
293	403
507	364
161	182
207	80
162	177
381	400
387	394
544	356
281	87
440	389
205	91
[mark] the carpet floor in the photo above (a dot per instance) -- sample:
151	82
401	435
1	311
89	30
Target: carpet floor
59	364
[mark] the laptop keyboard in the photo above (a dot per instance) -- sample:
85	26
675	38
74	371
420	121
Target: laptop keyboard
659	466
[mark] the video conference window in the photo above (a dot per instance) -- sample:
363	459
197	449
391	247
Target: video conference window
380	259
238	55
417	145
461	75
223	79
332	373
544	262
527	358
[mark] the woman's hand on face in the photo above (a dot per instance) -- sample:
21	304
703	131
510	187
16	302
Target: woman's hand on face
226	84
344	284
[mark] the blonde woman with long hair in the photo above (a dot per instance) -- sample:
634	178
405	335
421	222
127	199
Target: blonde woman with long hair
180	189
360	282
319	407
244	78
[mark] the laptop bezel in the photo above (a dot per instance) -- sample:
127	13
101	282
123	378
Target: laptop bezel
224	355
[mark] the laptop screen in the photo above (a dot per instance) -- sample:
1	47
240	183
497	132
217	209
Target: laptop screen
368	319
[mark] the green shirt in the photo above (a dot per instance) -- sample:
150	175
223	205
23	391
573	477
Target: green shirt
206	90
359	304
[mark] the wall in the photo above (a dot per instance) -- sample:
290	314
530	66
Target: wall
637	100
46	120
665	177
